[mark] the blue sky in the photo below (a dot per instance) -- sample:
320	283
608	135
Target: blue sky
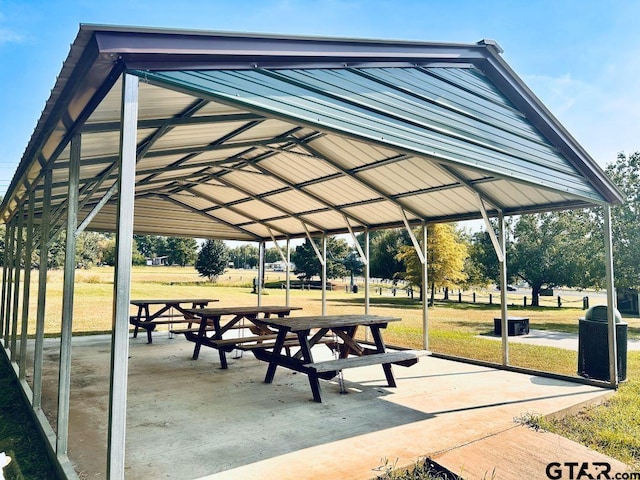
580	57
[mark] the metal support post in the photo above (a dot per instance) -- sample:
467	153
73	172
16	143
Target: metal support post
122	280
425	286
64	379
9	254
4	330
367	274
261	248
611	298
502	255
42	290
288	274
17	260
22	361
324	274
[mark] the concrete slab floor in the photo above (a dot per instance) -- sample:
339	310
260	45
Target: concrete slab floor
190	419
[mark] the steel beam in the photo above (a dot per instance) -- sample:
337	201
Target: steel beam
17	259
26	288
504	315
122	280
64	379
611	299
425	286
42	292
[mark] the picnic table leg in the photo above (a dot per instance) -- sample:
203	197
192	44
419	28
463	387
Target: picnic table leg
277	349
201	333
147	316
138	318
305	348
388	372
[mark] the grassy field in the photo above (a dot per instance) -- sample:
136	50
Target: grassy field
454	328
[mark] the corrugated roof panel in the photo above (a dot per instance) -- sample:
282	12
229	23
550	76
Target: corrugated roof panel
350	153
147	221
330	220
342	191
258	209
218	193
256	183
278	96
297	168
264	130
195	135
154	102
444	203
230	216
377	212
295	201
348	85
213	155
214	108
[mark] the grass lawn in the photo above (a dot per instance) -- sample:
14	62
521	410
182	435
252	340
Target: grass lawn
454	328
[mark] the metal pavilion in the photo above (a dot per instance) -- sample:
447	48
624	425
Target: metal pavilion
268	138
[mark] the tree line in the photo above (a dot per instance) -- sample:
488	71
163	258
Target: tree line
546	250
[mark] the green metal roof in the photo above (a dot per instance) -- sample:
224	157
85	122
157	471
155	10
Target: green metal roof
248	136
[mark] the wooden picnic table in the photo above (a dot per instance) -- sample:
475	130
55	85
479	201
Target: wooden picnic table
164	315
214	323
351	352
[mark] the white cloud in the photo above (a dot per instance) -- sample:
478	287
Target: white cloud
10	36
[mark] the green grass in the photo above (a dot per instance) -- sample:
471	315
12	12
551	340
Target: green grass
458	329
18	435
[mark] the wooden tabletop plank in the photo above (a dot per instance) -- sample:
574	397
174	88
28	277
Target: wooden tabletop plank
242	310
172	301
295	324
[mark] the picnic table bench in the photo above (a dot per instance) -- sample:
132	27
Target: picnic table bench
351	353
214	323
171	311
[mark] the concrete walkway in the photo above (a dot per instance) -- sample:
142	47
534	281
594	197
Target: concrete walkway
191	420
550	338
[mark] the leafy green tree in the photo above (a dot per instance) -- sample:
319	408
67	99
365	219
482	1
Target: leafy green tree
547	251
353	265
272	255
108	248
446	254
384	248
625	173
212	259
151	246
181	251
481	266
307	263
244	256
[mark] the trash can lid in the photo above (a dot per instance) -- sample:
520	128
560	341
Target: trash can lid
599	314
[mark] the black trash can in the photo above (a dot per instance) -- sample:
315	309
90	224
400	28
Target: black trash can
354	288
593	344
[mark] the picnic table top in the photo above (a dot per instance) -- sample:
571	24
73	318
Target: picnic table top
240	310
171	301
296	324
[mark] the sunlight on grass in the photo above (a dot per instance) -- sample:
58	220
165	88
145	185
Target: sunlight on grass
457	329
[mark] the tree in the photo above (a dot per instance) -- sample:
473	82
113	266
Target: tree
307	264
244	256
446	254
385	245
212	259
549	250
181	251
625	173
482	265
353	265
